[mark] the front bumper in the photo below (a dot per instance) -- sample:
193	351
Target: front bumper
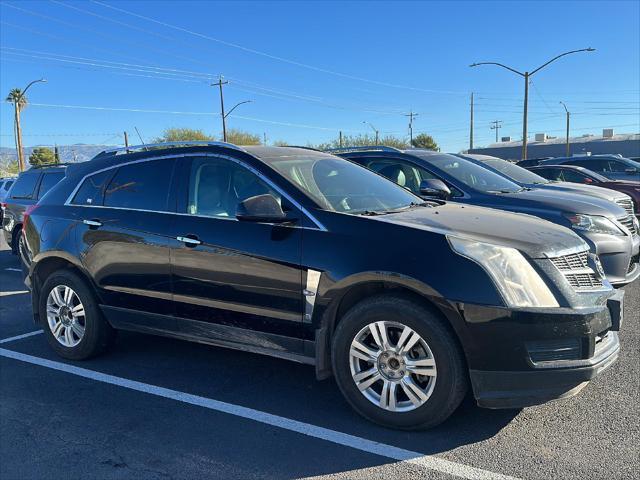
544	356
618	254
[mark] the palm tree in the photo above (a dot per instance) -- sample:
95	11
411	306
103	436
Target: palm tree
16	96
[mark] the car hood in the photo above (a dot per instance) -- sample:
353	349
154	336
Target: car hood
538	200
594	191
536	237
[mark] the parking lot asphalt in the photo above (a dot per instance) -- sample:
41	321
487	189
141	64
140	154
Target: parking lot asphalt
158	408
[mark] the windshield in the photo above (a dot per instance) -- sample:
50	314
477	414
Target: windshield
514	172
472	174
341	186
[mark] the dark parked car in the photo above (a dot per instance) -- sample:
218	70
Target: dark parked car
306	256
581	175
613	167
610	231
5	185
29	187
530	179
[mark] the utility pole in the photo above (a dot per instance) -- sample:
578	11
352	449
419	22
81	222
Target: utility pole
411	115
264	138
220	83
568	115
340	138
126	141
471	125
496	125
56	155
526	76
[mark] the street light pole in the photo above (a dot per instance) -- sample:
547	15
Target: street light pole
375	131
224	117
526	76
17	104
568	116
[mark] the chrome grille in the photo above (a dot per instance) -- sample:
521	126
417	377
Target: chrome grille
628	222
575	261
576	270
627	204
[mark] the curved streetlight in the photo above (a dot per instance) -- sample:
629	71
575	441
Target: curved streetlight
526	76
374	129
224	118
18	129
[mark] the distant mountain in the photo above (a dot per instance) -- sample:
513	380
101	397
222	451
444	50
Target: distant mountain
68	153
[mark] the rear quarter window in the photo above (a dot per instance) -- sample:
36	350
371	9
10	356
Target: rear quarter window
25	185
91	191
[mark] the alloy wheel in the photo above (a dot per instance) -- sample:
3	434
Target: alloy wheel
65	315
392	366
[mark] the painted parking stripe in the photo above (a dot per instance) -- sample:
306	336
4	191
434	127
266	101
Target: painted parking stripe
15	292
13	270
20	337
357	443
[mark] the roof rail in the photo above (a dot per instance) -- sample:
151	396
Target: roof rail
51	165
372	148
300	146
133	148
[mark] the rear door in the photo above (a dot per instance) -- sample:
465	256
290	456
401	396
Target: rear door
237	281
123	235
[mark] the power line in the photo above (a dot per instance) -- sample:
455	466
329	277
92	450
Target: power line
274	57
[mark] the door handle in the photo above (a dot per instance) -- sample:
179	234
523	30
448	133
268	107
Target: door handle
92	223
189	241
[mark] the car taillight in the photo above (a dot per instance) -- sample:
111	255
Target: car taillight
30	209
3	205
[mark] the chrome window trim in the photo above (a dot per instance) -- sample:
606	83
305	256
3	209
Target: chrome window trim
263	177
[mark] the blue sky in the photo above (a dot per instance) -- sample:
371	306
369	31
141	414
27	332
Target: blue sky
313	68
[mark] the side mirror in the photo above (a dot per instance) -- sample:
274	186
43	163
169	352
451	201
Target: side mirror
434	187
631	170
261	208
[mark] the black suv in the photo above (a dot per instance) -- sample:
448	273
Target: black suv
306	256
30	186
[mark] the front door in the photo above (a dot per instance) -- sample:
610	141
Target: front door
233	280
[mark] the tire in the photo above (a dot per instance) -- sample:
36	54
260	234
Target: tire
97	334
15	242
449	375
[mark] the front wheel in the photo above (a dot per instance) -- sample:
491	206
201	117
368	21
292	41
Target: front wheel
397	364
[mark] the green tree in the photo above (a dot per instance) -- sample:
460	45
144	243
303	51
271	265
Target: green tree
42	156
364	140
183	135
10	169
425	141
239	137
280	143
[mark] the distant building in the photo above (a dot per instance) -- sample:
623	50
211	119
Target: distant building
627	145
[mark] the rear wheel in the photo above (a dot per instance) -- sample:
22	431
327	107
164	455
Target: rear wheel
397	364
72	321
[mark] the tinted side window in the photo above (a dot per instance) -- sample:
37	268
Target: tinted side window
572	176
7	185
143	186
49	180
92	189
617	166
217	186
595	165
25	185
548	173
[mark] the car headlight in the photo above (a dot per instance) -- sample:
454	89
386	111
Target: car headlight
517	281
593	223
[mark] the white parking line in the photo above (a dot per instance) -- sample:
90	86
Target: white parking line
13	270
357	443
19	337
16	292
